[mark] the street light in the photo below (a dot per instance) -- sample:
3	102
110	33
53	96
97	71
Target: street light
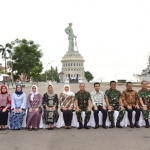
46	69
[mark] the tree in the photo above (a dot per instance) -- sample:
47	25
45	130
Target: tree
53	75
36	71
41	77
4	51
88	76
26	58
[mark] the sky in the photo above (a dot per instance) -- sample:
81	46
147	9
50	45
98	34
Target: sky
113	36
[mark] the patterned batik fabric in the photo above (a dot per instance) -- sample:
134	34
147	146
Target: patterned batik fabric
33	118
145	95
113	99
82	98
16	119
50	116
130	97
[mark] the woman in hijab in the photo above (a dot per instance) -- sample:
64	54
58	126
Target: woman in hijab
34	104
67	105
50	104
18	108
4	106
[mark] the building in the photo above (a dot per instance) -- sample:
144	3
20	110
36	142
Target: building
73	67
145	74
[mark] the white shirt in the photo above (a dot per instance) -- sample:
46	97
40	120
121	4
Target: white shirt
98	98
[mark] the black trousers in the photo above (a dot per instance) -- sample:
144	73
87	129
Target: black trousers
3	117
67	115
137	115
104	112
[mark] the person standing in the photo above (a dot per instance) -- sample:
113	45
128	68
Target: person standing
34	105
83	103
18	108
99	104
144	97
131	101
114	103
5	103
67	105
50	105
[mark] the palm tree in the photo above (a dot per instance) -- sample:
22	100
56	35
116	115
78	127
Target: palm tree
4	51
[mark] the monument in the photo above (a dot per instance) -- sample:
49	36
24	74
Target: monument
72	61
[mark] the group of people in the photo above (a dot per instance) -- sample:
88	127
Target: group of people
107	102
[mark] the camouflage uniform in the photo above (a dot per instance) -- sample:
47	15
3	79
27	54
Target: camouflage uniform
82	99
145	95
113	99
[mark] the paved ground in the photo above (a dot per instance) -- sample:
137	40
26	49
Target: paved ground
110	139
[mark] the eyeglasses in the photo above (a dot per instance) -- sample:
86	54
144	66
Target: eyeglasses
33	88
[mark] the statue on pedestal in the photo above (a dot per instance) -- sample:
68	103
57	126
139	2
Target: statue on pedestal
71	36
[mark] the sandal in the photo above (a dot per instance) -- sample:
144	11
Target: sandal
35	128
3	128
69	127
52	127
30	128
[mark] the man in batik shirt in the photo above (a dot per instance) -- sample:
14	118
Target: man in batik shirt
114	102
144	97
98	102
83	103
131	101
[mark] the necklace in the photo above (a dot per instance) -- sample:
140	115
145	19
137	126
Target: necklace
18	95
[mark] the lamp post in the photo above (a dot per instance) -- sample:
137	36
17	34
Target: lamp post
46	69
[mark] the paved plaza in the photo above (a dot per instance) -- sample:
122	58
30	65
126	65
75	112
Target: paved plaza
62	139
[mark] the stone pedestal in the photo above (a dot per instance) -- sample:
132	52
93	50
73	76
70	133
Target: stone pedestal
73	67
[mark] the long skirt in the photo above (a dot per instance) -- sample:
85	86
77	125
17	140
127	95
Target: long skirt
16	119
33	118
3	117
50	117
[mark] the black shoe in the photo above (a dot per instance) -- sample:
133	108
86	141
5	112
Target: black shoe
96	126
136	125
112	125
85	126
118	125
131	125
80	125
147	124
104	126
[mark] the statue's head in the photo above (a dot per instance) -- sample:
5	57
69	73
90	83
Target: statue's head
70	24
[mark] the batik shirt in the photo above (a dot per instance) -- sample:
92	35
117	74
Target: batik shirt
145	95
82	98
113	96
98	98
130	97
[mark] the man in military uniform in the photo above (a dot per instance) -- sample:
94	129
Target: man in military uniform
131	101
114	102
83	103
144	97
